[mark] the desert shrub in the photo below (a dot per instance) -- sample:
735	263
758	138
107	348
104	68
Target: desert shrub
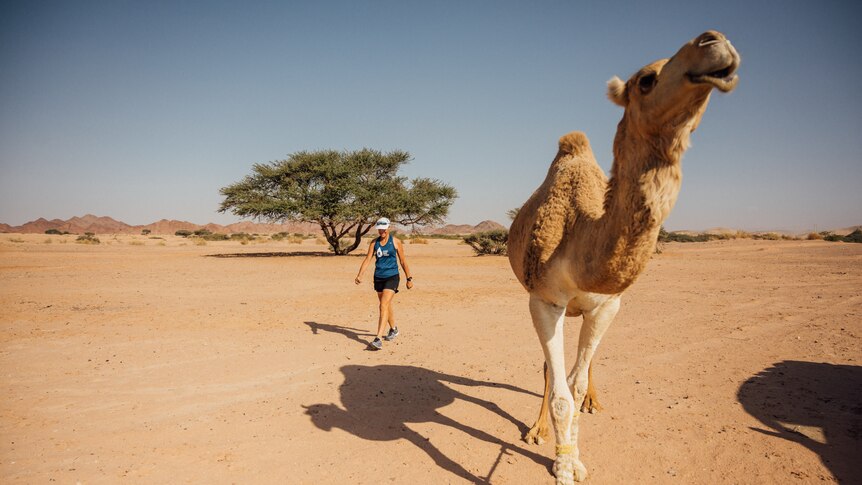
199	241
490	242
207	235
157	237
418	240
16	240
445	236
743	235
280	236
48	241
136	243
241	236
145	232
295	239
685	238
400	236
55	232
768	236
183	233
88	238
814	236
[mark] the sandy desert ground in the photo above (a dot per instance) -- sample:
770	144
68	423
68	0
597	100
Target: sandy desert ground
133	362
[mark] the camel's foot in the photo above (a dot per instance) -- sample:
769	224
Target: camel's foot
568	469
537	434
591	405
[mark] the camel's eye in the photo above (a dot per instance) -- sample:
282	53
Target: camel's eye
647	82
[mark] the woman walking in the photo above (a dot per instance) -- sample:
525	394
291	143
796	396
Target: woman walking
388	251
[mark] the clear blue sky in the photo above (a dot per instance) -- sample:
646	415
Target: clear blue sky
142	110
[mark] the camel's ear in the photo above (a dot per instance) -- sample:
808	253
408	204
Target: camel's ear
617	91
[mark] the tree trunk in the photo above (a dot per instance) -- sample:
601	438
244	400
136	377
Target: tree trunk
333	237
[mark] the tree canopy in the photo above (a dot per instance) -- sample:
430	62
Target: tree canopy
342	191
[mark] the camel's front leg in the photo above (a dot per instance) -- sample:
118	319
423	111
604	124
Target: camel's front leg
548	320
596	323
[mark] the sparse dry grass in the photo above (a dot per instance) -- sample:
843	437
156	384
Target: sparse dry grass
295	239
136	243
48	241
418	240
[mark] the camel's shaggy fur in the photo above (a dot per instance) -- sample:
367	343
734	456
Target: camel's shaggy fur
581	239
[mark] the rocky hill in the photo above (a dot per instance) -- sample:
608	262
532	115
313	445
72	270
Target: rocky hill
107	225
464	229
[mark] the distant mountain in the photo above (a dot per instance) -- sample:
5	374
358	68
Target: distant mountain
846	230
107	225
464	229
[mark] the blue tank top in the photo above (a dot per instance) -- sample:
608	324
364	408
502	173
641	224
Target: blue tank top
387	263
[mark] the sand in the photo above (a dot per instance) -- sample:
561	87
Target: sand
159	361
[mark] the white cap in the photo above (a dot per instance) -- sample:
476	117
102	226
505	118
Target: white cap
382	223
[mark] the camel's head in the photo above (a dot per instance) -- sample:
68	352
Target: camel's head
674	92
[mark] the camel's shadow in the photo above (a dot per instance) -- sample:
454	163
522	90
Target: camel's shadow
817	405
378	403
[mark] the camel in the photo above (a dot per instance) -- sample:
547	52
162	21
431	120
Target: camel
581	240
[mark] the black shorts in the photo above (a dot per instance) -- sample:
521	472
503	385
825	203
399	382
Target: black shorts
390	283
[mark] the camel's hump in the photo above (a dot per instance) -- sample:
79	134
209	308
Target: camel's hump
574	143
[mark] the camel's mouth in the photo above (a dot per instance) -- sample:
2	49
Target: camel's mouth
725	79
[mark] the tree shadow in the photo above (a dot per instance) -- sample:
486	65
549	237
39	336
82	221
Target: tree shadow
381	401
274	254
817	405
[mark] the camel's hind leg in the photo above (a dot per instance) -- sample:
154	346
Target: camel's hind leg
539	432
591	400
548	320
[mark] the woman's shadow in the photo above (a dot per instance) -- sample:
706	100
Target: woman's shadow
380	402
817	405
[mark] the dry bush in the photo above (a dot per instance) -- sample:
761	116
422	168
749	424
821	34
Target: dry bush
490	242
814	236
295	239
88	238
16	240
418	240
199	241
136	243
743	235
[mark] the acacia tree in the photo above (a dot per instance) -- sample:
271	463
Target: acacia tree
344	192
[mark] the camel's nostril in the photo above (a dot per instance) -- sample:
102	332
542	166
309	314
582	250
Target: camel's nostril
708	38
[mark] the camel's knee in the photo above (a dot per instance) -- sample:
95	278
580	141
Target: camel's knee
562	408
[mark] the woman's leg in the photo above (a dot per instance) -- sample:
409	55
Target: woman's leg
385	297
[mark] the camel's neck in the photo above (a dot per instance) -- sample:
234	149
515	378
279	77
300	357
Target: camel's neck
645	181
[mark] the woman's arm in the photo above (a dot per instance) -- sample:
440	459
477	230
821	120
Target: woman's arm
399	248
365	263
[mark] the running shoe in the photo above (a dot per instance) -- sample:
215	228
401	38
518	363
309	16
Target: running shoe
393	332
376	344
